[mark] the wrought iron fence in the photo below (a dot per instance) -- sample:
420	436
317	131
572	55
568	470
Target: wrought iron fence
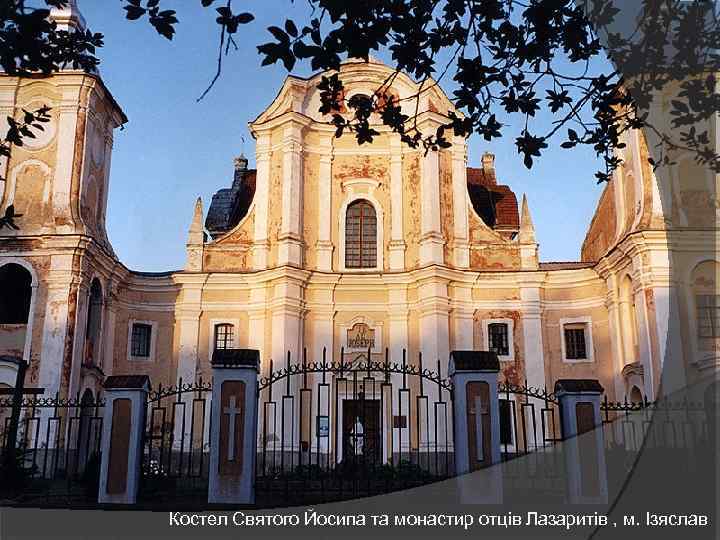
57	449
529	429
335	430
176	443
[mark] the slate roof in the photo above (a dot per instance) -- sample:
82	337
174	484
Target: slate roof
127	381
236	357
578	385
475	361
230	205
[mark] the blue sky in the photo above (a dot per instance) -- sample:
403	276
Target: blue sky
173	149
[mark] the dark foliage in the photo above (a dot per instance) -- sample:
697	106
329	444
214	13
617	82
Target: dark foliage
506	57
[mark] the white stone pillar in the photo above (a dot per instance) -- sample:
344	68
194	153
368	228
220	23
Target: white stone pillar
397	237
398	341
234	430
324	247
55	326
431	240
461	318
476	410
583	445
122	438
108	358
66	140
461	243
616	343
532	336
434	345
290	237
644	345
261	244
187	325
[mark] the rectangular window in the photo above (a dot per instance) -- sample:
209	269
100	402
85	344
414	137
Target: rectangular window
498	338
506	422
140	340
575	348
708	315
224	336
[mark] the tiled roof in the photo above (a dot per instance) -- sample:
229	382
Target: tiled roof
495	204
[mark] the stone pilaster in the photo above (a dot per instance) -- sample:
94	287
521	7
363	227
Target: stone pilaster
531	314
431	240
397	237
324	247
261	244
461	242
290	237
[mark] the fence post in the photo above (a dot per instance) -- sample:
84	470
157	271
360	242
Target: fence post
233	426
583	440
122	438
476	414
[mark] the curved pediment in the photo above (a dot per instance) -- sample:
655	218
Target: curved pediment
302	96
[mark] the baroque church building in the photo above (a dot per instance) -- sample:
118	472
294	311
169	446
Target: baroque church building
332	246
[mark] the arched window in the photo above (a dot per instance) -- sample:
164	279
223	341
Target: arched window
224	336
15	294
94	325
360	235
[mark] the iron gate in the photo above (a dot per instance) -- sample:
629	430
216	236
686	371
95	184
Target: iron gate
176	445
336	430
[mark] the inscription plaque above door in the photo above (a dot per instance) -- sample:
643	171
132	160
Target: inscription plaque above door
361	336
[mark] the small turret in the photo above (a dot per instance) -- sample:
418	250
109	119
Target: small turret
196	239
69	17
526	238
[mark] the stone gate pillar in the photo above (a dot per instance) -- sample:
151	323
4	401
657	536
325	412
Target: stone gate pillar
583	440
476	409
233	432
122	438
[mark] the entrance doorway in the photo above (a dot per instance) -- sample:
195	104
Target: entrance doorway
361	426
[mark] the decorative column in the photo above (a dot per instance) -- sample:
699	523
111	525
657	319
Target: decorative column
55	327
583	442
434	334
290	237
532	334
431	240
461	241
398	343
476	409
614	325
462	317
397	238
122	438
234	423
324	247
261	245
187	324
69	113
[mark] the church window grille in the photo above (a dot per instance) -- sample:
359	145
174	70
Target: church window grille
361	235
224	336
575	347
140	340
498	339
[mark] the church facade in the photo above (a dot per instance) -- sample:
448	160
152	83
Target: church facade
350	249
